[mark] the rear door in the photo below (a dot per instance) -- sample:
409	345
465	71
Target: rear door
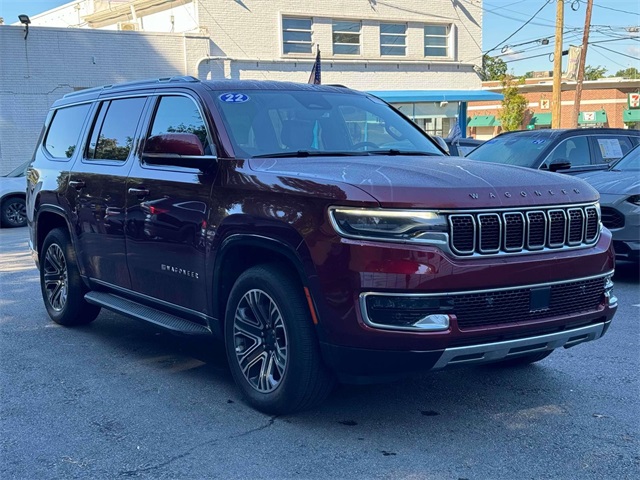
97	188
167	211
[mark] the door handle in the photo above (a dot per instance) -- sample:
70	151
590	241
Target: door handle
139	192
77	184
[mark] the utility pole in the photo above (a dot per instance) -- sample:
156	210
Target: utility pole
583	60
557	68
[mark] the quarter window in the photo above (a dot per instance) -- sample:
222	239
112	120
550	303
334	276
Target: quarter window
436	40
64	131
180	115
346	38
114	129
296	35
393	39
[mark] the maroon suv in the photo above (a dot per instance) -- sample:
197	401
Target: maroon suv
316	230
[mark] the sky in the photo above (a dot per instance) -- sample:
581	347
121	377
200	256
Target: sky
501	18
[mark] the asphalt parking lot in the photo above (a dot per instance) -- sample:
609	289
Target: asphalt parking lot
119	398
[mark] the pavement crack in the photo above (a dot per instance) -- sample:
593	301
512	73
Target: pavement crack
144	469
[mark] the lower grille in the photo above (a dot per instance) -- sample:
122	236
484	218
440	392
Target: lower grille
509	306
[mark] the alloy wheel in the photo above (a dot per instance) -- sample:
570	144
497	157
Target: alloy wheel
56	278
16	213
260	339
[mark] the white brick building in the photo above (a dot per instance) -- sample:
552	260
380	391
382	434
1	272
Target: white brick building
365	44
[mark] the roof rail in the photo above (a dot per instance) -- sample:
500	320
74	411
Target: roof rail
151	81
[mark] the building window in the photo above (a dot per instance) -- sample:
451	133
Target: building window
296	35
436	40
393	39
346	38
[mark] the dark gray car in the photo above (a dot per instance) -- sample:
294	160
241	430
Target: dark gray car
619	188
567	151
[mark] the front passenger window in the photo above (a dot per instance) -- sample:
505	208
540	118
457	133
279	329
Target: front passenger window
177	114
574	150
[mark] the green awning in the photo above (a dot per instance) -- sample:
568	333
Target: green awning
483	121
541	119
631	115
591	118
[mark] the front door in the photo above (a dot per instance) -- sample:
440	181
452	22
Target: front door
167	213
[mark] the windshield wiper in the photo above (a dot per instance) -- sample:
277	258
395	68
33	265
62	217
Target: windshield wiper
393	151
308	153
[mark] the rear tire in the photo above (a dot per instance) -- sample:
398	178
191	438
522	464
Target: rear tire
271	343
62	288
14	212
524	359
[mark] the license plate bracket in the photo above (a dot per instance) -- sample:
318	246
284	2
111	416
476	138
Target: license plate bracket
540	299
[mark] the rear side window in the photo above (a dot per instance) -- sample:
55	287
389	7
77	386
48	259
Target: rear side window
114	129
609	148
63	134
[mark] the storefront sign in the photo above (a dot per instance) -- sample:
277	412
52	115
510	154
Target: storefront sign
634	100
589	116
545	104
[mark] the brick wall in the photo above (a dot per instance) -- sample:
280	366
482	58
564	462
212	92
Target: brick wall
611	100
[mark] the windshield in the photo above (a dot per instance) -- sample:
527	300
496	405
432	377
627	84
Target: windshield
310	123
631	161
19	171
522	149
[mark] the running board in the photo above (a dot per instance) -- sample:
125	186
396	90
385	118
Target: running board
148	314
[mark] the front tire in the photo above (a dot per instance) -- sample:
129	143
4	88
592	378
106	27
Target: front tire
62	288
271	343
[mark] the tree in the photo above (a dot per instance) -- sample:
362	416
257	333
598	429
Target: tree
594	73
631	72
492	68
513	105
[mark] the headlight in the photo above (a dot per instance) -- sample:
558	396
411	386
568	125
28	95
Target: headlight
390	225
635	199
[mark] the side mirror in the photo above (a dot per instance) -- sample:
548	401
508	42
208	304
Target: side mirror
177	149
559	164
441	143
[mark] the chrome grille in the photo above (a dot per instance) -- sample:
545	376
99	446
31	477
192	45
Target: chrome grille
486	233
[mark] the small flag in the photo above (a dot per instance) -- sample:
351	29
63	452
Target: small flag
316	71
455	133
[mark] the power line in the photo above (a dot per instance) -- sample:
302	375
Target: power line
619	53
521	27
613	9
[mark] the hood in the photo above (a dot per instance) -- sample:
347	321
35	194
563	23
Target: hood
613	182
11	185
436	182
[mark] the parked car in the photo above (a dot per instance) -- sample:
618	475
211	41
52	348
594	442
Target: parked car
461	147
619	188
320	247
13	185
566	151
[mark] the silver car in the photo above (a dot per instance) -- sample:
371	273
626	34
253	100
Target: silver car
619	188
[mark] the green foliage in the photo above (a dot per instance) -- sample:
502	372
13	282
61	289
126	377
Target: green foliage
492	68
594	73
513	105
631	72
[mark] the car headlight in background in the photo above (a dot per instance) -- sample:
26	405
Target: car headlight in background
635	199
420	226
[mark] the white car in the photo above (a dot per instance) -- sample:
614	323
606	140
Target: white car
13	186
